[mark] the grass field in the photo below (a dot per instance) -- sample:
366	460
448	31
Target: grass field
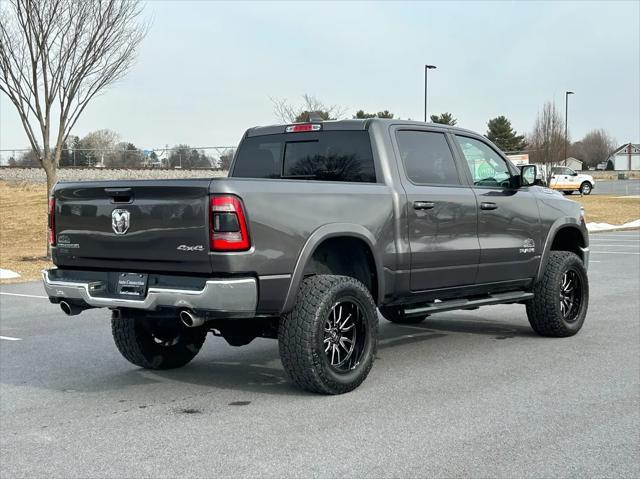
616	210
23	229
23	224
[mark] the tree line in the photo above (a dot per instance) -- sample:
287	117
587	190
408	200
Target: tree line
545	144
103	148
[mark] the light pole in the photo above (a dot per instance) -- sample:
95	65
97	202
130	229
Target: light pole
566	123
426	71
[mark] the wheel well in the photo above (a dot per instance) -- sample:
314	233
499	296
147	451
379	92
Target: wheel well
346	256
569	239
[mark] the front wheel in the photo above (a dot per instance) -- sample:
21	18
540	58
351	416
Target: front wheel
155	343
585	188
328	341
561	297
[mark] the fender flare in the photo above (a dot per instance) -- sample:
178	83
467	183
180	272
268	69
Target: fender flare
332	230
558	225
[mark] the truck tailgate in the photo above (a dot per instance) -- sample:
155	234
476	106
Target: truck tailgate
133	225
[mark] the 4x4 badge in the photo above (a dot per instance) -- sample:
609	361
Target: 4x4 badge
120	221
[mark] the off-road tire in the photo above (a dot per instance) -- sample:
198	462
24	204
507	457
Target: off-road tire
544	310
585	188
134	338
396	315
301	332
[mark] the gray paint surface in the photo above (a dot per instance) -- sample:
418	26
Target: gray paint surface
468	393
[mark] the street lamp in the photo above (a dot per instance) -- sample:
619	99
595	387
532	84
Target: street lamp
566	122
426	70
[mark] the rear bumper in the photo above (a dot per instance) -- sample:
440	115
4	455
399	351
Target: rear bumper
233	296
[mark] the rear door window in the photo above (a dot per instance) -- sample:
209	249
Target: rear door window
325	156
427	158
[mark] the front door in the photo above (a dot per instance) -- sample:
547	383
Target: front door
508	219
564	179
442	212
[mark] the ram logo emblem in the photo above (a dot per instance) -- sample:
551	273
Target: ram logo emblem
120	221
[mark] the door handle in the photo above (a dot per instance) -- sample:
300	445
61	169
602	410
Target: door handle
423	205
488	206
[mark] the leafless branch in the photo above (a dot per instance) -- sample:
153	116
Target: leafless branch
57	55
287	113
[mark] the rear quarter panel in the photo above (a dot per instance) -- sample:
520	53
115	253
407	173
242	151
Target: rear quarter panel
283	214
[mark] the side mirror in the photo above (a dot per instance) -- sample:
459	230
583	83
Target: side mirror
528	174
575	173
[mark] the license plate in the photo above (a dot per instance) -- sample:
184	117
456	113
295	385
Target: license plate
132	285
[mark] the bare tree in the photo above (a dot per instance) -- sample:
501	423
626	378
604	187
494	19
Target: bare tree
56	56
288	113
594	148
546	142
225	159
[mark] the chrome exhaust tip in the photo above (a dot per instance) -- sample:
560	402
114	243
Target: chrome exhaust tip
191	320
70	309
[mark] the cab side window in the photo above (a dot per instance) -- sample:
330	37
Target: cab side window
427	158
487	167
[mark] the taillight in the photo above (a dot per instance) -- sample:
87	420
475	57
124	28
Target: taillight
228	229
52	221
303	127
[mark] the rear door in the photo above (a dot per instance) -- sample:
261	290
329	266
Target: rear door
442	211
508	219
134	225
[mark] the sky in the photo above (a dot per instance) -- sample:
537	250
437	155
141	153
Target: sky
208	70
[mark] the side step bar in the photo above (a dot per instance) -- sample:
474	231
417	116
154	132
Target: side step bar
453	304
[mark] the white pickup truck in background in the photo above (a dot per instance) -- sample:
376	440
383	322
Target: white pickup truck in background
566	180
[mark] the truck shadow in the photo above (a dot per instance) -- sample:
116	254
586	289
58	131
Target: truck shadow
260	371
255	368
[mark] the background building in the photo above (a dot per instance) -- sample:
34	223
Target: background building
626	157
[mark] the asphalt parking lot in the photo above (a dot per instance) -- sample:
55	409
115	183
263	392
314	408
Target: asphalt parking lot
473	393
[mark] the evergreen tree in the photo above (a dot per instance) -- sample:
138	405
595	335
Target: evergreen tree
504	136
361	114
444	119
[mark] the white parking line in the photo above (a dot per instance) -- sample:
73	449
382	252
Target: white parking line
615	239
635	235
614	252
9	338
24	295
618	245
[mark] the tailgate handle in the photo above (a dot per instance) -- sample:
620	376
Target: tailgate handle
120	195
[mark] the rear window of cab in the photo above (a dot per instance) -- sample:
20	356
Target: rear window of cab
323	156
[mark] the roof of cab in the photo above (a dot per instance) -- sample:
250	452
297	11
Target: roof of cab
359	124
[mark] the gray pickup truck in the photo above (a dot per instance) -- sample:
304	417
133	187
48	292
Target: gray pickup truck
318	226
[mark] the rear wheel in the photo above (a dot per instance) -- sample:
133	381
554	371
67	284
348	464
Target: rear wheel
559	306
585	188
396	315
155	343
328	341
